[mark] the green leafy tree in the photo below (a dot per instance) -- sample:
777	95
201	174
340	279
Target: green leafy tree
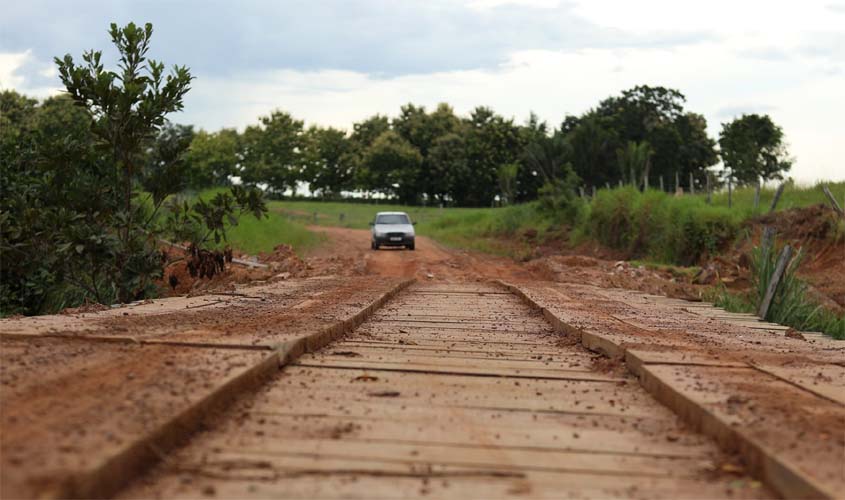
634	162
491	141
447	160
422	130
329	164
507	182
391	166
655	115
753	148
594	142
127	107
70	215
529	178
165	169
213	158
272	152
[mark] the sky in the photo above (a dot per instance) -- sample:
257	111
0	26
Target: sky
337	62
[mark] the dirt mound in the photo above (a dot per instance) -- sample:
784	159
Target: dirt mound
177	278
813	223
283	259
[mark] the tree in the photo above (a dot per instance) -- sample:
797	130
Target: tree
594	142
655	115
165	169
447	161
635	162
507	182
70	216
329	166
127	109
491	141
391	166
753	148
273	152
213	158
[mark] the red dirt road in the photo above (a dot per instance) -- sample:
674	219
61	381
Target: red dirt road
347	251
454	388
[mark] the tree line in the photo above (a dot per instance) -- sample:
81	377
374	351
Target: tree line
437	157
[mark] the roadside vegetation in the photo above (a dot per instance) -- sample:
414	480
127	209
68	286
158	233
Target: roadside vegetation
791	305
87	179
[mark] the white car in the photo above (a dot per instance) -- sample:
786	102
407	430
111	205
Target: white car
392	229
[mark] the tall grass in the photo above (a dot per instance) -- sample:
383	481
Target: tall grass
794	196
657	226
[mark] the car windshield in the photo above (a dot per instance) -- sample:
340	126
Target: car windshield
392	219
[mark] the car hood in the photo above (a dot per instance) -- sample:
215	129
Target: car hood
394	228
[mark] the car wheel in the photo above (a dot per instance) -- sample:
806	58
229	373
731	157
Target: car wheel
410	247
374	245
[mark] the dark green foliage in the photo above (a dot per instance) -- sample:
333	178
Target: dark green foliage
213	158
329	165
74	227
752	148
272	152
479	160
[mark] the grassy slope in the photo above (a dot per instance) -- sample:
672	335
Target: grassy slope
255	236
793	197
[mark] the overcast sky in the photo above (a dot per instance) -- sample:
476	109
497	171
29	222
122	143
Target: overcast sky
336	62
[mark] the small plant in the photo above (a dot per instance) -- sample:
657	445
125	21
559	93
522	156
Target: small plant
790	305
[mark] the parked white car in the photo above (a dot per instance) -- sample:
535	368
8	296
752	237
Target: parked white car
392	229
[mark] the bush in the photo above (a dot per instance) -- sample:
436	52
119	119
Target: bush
658	226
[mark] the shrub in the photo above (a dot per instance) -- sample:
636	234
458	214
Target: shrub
659	226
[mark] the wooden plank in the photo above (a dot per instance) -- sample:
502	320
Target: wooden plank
500	457
551	374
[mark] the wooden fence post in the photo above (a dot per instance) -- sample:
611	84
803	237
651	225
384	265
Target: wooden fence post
757	196
775	200
832	200
677	181
730	192
709	190
581	190
594	191
774	281
661	184
691	184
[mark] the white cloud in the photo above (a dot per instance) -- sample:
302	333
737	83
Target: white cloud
13	76
9	65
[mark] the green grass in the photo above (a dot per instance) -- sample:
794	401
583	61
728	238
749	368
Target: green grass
254	236
793	197
468	228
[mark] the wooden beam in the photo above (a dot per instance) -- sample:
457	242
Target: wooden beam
774	281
